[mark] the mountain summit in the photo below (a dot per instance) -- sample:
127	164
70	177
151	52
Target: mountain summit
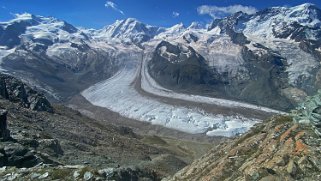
129	30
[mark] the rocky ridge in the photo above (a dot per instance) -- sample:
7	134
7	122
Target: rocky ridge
281	148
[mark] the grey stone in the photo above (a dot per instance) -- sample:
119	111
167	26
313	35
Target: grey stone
76	174
88	176
291	168
2	169
34	175
43	176
107	172
12	176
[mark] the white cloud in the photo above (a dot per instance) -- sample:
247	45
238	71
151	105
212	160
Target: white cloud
110	4
3	7
175	14
220	12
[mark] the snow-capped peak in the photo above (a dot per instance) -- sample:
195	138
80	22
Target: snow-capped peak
176	28
173	31
305	6
305	14
196	25
33	30
129	30
24	16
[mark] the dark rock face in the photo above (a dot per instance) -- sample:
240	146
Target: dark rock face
232	26
268	78
180	70
4	132
262	86
18	92
19	156
9	35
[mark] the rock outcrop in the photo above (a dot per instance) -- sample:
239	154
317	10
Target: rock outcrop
4	132
309	112
15	154
18	92
180	66
281	148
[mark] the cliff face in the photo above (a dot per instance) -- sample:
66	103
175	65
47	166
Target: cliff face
281	148
18	92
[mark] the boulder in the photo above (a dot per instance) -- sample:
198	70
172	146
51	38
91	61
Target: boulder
50	146
88	176
19	156
106	173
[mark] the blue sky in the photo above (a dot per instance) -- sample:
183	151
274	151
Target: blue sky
98	13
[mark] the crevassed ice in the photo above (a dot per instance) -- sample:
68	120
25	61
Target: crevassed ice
119	95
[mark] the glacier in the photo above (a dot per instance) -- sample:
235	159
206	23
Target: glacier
118	94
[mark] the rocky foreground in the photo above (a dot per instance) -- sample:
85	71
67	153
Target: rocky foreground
281	148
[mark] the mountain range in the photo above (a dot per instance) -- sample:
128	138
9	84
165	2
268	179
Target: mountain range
142	101
270	58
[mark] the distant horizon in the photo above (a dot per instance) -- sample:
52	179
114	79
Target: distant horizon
96	15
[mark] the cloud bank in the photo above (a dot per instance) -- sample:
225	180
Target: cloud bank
112	5
220	12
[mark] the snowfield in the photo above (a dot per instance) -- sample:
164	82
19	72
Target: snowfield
119	95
